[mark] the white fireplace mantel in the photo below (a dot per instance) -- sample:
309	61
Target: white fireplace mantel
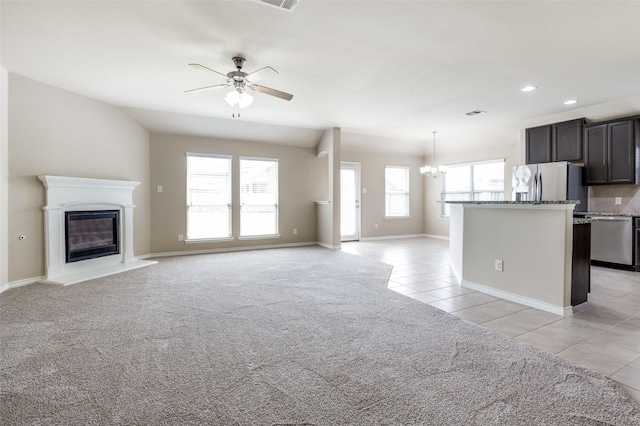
82	194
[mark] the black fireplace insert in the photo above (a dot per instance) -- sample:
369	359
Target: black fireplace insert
91	234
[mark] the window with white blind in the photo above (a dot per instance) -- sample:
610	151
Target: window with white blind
472	182
258	197
396	199
208	197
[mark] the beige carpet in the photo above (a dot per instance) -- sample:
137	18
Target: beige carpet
288	336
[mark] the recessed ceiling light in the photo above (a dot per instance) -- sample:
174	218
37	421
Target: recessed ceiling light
571	102
528	89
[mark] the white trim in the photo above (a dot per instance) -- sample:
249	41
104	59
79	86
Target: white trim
322	202
397	217
208	240
20	283
527	301
329	246
199	154
259	237
475	163
437	237
275	160
232	249
4	177
392	237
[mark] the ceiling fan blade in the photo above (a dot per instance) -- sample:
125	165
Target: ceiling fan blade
272	92
260	74
215	86
203	68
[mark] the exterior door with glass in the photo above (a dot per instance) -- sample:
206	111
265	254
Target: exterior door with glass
349	201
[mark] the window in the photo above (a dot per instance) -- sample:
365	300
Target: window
473	182
208	197
258	197
396	187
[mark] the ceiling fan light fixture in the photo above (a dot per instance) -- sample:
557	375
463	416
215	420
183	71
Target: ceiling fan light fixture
237	98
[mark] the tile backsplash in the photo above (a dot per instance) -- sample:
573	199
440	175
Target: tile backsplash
602	199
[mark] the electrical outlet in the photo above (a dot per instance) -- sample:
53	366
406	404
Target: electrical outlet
180	237
376	226
618	200
295	231
499	265
159	188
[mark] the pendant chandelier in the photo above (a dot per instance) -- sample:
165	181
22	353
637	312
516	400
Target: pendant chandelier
431	171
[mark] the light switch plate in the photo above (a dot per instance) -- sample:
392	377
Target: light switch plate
618	200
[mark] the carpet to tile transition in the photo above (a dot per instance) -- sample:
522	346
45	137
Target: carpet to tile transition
285	336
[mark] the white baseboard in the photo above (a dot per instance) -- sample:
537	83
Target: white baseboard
392	237
232	249
20	283
527	301
329	246
437	237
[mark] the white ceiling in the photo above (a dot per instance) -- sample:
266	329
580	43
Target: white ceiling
387	72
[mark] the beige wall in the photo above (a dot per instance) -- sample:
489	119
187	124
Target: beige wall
302	181
55	132
372	203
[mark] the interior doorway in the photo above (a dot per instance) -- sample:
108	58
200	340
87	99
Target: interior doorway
349	201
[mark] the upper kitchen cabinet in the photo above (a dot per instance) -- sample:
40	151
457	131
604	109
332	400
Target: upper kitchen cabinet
555	142
611	152
566	140
538	144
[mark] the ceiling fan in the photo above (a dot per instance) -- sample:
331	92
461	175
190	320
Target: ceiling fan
241	81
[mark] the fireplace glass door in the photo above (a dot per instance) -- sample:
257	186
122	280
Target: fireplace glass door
91	234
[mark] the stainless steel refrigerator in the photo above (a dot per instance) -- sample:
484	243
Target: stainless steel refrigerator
558	181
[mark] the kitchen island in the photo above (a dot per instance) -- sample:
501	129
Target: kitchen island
516	250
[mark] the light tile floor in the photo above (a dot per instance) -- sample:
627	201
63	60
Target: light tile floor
602	334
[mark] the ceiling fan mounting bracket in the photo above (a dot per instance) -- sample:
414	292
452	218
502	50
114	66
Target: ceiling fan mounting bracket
238	61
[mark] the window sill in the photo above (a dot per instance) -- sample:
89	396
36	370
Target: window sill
259	237
397	217
208	240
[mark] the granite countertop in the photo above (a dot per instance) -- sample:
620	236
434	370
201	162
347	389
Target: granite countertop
514	202
606	214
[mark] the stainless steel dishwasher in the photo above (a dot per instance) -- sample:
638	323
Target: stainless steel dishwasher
612	240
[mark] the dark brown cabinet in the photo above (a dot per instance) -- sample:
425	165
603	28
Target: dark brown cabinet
581	263
538	144
555	142
611	151
566	140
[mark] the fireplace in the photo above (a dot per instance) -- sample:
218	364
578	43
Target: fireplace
91	234
88	229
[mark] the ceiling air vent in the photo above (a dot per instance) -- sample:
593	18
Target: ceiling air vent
474	112
287	5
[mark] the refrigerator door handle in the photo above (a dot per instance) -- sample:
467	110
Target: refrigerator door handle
534	192
539	186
